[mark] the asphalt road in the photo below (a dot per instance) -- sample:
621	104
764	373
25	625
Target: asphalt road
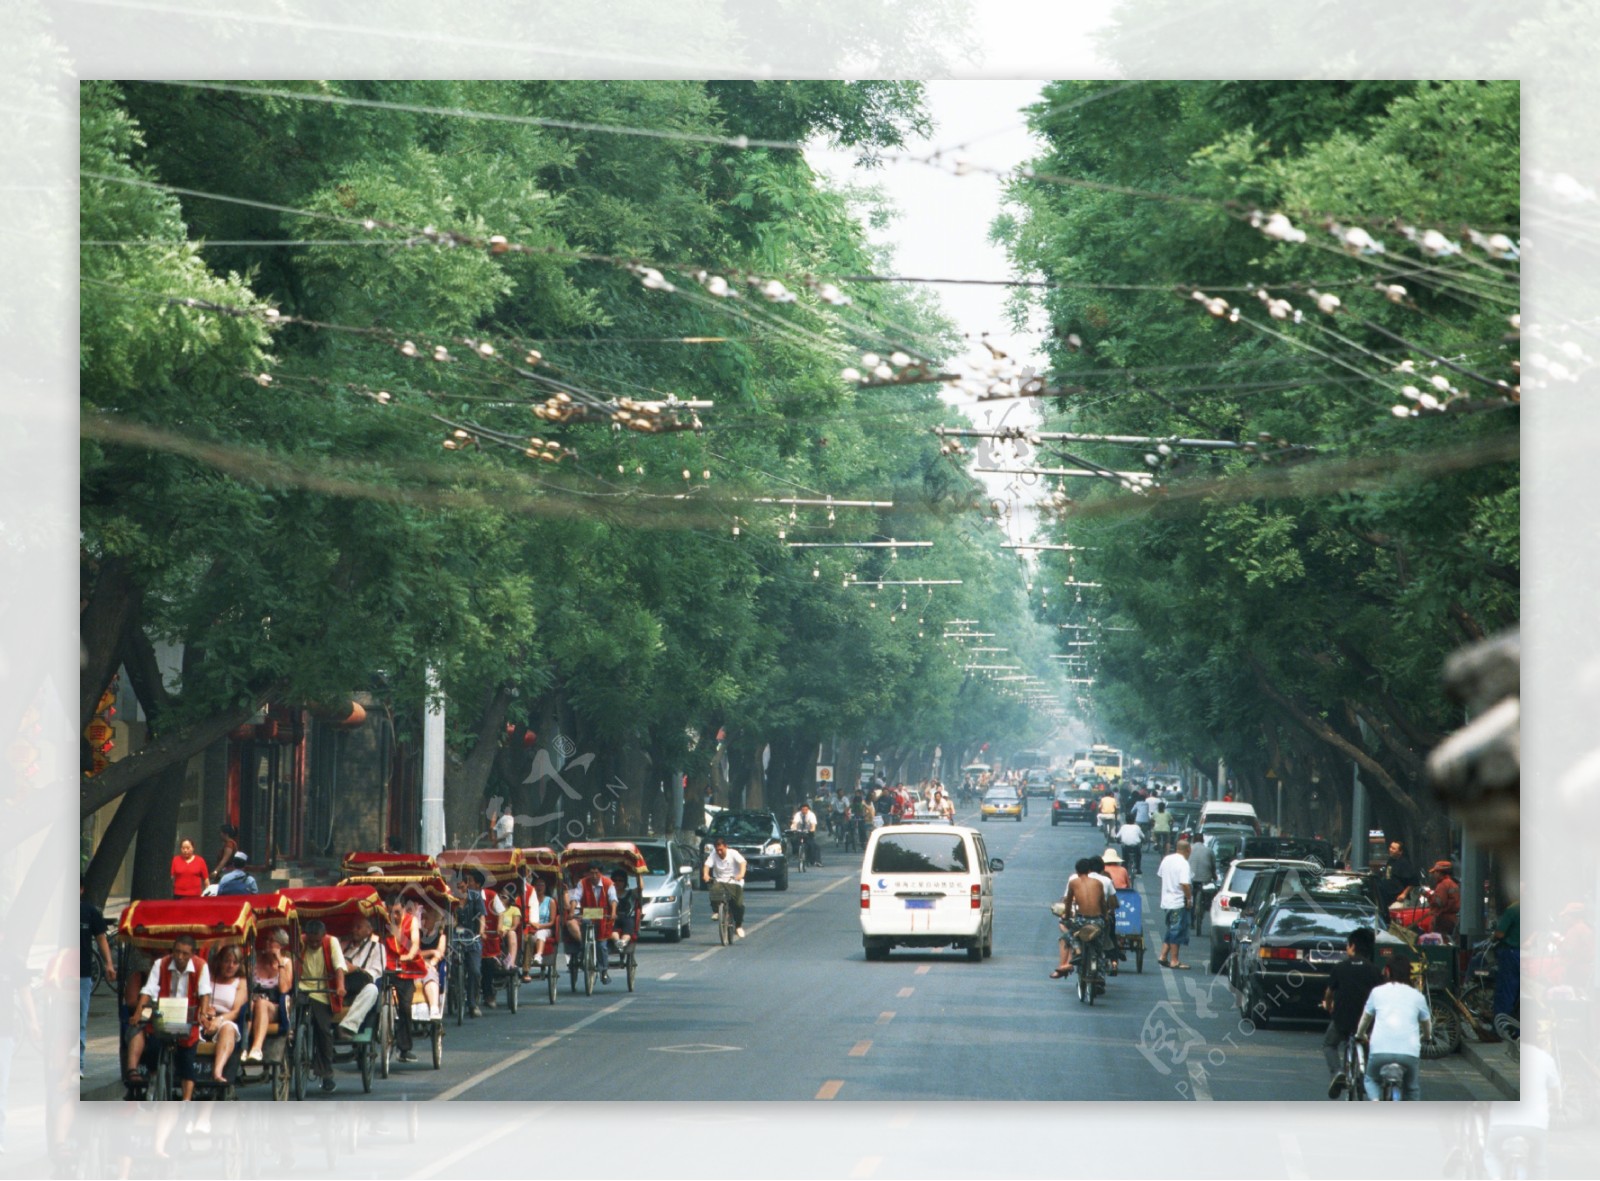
794	1012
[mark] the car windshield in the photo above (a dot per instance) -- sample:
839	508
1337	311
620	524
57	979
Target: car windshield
655	856
1294	923
1000	796
920	852
736	827
1239	883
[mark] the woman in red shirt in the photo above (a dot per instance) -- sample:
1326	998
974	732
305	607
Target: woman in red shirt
189	872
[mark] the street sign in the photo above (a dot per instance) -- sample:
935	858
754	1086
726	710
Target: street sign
824	774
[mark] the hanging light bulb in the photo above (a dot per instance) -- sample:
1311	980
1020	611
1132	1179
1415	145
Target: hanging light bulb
816	572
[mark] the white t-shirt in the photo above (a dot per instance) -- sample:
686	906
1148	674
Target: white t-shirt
1397	1013
1130	834
725	869
1174	875
504	827
804	822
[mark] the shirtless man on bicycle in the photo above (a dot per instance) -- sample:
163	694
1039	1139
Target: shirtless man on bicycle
1085	898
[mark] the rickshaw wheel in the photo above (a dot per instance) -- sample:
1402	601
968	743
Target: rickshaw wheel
280	1081
364	1056
384	1034
550	980
513	986
438	1044
299	1055
161	1075
1138	956
591	956
633	965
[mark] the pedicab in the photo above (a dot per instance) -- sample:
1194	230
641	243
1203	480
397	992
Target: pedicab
174	1026
498	867
545	864
338	907
387	863
281	1066
432	892
1130	926
620	861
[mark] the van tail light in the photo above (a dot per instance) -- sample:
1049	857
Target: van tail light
866	896
1222	903
977	896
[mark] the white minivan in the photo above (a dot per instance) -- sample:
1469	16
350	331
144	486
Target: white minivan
1229	812
927	885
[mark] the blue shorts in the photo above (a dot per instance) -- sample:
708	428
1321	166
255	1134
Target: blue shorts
1177	927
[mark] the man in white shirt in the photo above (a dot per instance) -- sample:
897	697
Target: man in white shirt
1176	892
505	828
724	870
179	975
1394	1022
1131	837
805	824
364	961
1528	1120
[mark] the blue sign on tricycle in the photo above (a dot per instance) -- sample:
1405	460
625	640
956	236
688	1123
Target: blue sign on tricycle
1130	913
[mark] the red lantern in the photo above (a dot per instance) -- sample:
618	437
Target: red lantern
529	737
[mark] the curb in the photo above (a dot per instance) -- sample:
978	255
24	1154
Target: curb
1491	1060
101	1092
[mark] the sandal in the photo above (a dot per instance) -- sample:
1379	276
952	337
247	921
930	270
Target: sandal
1060	973
1179	967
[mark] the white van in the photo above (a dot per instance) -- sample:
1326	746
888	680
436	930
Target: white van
1229	812
927	885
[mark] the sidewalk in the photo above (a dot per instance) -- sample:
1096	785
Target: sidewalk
102	1074
1495	1063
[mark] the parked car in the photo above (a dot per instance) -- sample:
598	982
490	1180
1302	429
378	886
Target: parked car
668	885
1313	849
1073	803
1185	814
1280	881
1001	801
1225	904
758	838
1300	938
931	885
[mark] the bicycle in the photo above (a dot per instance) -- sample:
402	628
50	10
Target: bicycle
800	848
724	913
1355	1069
587	959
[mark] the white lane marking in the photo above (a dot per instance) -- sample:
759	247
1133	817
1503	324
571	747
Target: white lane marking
666	976
772	918
543	1043
866	1166
923	970
1198	1087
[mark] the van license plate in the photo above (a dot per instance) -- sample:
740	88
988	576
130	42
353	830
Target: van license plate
919	903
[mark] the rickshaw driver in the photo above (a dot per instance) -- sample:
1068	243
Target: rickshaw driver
182	975
593	890
724	869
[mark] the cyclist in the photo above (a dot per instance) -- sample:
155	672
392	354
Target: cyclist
1349	983
593	890
724	870
838	810
804	826
1394	1020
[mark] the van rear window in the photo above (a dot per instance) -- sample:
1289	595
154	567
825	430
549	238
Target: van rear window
920	852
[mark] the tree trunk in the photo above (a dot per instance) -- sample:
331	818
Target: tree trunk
158	831
176	747
464	788
112	606
117	840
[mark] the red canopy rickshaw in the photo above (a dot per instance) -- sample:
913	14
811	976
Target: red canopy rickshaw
433	895
625	865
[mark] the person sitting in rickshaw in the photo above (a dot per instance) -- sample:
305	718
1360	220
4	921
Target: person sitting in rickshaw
182	975
592	891
1116	870
270	985
510	923
627	907
365	963
541	917
229	993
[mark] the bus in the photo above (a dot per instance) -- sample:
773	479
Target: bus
1107	762
1028	760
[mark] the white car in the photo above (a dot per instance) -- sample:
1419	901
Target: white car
927	885
1225	903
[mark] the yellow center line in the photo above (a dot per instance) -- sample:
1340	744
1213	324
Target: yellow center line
866	1166
905	992
859	1050
923	970
830	1088
885	1017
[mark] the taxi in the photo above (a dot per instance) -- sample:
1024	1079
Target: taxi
1001	801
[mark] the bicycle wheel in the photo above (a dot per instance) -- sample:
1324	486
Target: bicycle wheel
591	961
97	972
161	1074
438	1044
549	971
1446	1037
1355	1072
723	929
366	1058
385	1033
513	985
297	1054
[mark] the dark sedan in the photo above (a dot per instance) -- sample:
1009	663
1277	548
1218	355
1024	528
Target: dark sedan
1297	943
757	838
1072	803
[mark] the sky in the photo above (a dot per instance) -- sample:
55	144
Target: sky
943	230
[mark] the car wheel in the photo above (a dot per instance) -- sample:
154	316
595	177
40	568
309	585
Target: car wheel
975	951
1259	1010
673	935
781	882
1217	960
874	949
